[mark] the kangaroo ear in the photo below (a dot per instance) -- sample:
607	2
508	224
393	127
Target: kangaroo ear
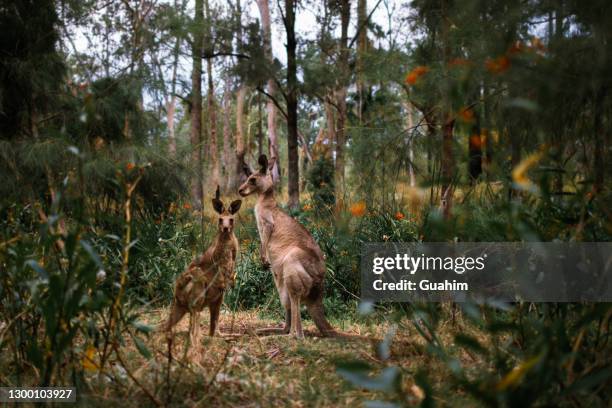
246	169
235	206
218	205
263	164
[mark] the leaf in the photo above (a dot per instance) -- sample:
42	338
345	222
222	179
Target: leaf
88	361
366	307
92	253
590	381
387	380
42	273
522	103
517	373
384	347
142	327
380	404
142	348
470	342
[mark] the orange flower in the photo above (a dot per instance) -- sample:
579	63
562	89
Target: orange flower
476	141
414	75
358	209
307	207
399	216
187	206
537	44
497	65
515	48
466	115
458	62
130	166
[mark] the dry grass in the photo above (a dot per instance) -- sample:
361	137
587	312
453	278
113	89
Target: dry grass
240	368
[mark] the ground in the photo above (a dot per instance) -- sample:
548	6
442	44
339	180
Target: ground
242	369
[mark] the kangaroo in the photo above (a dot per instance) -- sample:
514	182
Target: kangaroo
204	282
288	248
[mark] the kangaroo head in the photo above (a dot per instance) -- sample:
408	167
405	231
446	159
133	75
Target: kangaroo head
260	181
226	215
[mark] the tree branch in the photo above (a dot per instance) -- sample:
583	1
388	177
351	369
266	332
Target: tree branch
273	99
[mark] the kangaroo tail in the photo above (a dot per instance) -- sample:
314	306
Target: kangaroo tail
317	313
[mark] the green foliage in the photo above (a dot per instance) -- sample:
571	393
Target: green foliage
30	66
321	183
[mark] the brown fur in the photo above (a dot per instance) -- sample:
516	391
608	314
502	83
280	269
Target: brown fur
297	262
204	282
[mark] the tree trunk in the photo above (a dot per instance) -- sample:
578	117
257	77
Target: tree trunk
238	177
362	43
228	167
475	150
448	123
264	11
212	108
293	168
411	133
196	107
448	167
171	102
341	92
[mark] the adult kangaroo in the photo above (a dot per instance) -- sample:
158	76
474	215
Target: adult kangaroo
288	248
205	280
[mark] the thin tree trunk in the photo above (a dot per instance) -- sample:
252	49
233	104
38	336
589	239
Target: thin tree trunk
341	92
228	167
196	106
264	11
293	168
240	149
362	42
448	124
171	103
260	138
212	107
475	150
238	177
411	133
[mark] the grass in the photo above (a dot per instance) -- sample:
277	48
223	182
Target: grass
240	368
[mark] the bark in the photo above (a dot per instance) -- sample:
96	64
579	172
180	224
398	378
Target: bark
448	124
475	150
196	107
341	92
212	108
411	133
260	139
362	42
228	168
264	11
238	177
293	168
171	102
448	167
240	149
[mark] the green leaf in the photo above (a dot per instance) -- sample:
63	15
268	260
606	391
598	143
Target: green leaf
92	253
142	348
142	327
42	273
387	380
470	343
380	404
